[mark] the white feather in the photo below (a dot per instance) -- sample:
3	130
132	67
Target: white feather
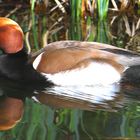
94	74
37	61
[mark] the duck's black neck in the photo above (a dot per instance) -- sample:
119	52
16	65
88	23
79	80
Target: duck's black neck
17	67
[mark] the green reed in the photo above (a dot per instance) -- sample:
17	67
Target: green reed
34	30
102	34
102	7
33	4
75	6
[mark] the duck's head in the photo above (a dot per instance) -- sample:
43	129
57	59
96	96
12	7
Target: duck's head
11	36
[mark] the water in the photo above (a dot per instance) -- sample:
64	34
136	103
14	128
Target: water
67	115
91	113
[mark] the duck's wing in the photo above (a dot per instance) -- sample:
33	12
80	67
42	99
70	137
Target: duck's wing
124	57
82	44
69	43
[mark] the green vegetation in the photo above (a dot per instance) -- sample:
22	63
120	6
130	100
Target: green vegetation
102	9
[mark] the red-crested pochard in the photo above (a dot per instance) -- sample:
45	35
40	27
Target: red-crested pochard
63	62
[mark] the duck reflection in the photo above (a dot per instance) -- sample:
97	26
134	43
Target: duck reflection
11	111
85	98
12	97
108	98
131	90
94	98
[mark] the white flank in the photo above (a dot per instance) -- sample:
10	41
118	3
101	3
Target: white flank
94	74
37	61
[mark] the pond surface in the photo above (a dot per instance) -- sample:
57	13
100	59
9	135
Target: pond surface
41	115
97	113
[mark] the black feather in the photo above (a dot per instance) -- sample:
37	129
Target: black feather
17	68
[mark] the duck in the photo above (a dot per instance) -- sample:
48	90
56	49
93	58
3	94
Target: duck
62	63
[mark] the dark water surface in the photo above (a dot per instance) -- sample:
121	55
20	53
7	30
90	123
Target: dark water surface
97	113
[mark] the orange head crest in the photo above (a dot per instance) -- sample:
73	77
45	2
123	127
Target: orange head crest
11	36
